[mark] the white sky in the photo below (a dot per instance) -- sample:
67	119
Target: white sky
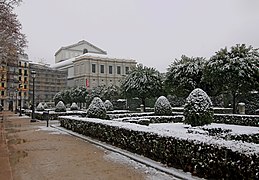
153	32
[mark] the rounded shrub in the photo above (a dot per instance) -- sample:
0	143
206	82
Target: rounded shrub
60	107
74	107
45	106
198	109
40	107
96	109
162	106
108	105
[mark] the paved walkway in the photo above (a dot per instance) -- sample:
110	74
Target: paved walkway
30	151
5	168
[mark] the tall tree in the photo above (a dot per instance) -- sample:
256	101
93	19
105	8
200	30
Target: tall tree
142	82
12	41
235	71
184	75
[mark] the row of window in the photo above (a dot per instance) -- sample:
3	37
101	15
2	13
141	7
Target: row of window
110	69
25	72
20	64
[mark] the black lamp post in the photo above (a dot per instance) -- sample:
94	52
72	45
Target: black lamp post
33	75
16	91
20	86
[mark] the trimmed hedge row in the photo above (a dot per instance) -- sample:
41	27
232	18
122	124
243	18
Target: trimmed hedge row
55	115
203	160
237	119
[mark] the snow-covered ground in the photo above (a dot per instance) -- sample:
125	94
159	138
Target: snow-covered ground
180	130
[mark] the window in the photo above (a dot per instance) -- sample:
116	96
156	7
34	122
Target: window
20	64
20	71
20	78
25	79
25	86
20	93
25	72
110	69
2	93
25	64
2	84
102	68
25	94
127	70
93	68
118	70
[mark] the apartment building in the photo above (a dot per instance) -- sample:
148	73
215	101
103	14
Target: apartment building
91	66
23	80
3	87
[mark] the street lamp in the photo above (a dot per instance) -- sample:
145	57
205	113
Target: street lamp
16	91
20	86
33	75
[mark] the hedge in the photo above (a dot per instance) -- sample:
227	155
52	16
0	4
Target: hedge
203	160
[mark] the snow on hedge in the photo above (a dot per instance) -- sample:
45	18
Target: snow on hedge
40	107
198	110
162	106
60	107
108	105
45	106
180	131
96	109
74	106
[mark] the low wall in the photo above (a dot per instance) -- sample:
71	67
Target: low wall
203	160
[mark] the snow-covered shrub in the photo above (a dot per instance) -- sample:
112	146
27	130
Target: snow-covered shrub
198	109
74	106
60	107
96	109
162	106
45	106
108	105
40	107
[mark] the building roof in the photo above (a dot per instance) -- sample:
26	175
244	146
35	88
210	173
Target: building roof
70	61
80	43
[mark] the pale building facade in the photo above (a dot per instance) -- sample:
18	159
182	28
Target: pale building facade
94	69
67	52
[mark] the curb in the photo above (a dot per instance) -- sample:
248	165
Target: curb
141	159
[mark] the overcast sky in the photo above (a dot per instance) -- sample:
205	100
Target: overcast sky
153	32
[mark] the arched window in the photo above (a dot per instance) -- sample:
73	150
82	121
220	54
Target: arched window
85	51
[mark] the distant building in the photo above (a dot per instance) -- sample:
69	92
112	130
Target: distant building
77	49
48	82
93	67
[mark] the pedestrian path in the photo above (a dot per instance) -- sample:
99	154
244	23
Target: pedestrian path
5	168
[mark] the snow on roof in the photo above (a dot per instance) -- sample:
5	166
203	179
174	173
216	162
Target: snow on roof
180	131
86	55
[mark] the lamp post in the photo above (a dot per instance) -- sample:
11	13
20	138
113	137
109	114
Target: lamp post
20	86
33	75
16	91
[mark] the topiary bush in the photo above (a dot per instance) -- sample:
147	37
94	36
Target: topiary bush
198	110
96	109
108	105
60	107
40	107
162	106
45	106
74	107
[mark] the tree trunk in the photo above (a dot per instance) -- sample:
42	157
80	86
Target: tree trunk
144	103
234	102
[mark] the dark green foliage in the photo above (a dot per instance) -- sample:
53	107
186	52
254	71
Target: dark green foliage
60	107
162	106
235	71
142	82
203	160
184	75
198	109
96	109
